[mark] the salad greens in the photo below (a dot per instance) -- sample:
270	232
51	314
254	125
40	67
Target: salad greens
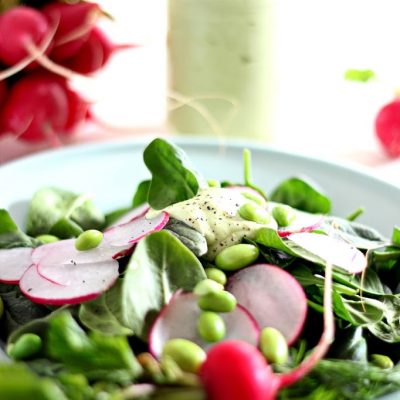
99	349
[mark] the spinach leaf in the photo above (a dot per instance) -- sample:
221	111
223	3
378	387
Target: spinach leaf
173	179
302	194
388	329
94	355
396	236
18	382
18	309
160	265
100	315
49	205
142	193
10	234
349	344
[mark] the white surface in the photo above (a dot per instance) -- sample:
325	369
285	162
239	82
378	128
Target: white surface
111	172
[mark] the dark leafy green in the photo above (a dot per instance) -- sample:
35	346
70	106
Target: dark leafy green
160	265
49	205
303	195
173	178
142	193
18	309
17	382
11	235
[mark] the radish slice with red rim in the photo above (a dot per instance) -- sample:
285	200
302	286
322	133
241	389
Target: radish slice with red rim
70	274
272	296
41	290
133	231
178	319
13	264
117	242
136	212
331	249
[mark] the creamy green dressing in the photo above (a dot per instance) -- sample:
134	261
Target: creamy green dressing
214	213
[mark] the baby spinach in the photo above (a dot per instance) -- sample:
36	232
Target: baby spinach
94	355
49	205
11	235
173	178
142	193
160	265
18	382
302	194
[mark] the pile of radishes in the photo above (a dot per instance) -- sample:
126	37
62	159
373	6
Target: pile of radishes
40	50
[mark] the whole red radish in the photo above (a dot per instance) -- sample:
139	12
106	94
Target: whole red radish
3	92
94	54
387	127
20	27
74	23
236	370
36	108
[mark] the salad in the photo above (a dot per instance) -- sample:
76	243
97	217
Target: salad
198	290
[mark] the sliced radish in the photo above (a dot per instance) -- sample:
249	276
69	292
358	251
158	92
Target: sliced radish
133	231
86	287
272	296
304	222
331	249
13	264
116	243
178	319
136	212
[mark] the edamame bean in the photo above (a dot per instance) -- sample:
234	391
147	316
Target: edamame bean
221	301
186	354
25	346
214	183
88	240
236	257
47	238
283	214
273	345
252	212
216	275
206	286
1	307
382	361
211	327
257	199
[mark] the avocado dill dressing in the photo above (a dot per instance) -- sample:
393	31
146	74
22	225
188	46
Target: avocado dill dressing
214	212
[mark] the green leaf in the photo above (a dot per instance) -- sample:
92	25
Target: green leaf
18	309
10	234
49	205
396	236
160	265
359	311
100	315
173	179
17	382
303	195
388	329
142	193
359	75
94	355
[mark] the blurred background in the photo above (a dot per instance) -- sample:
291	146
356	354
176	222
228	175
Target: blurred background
314	109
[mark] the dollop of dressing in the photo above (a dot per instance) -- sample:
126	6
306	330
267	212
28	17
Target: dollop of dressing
214	213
